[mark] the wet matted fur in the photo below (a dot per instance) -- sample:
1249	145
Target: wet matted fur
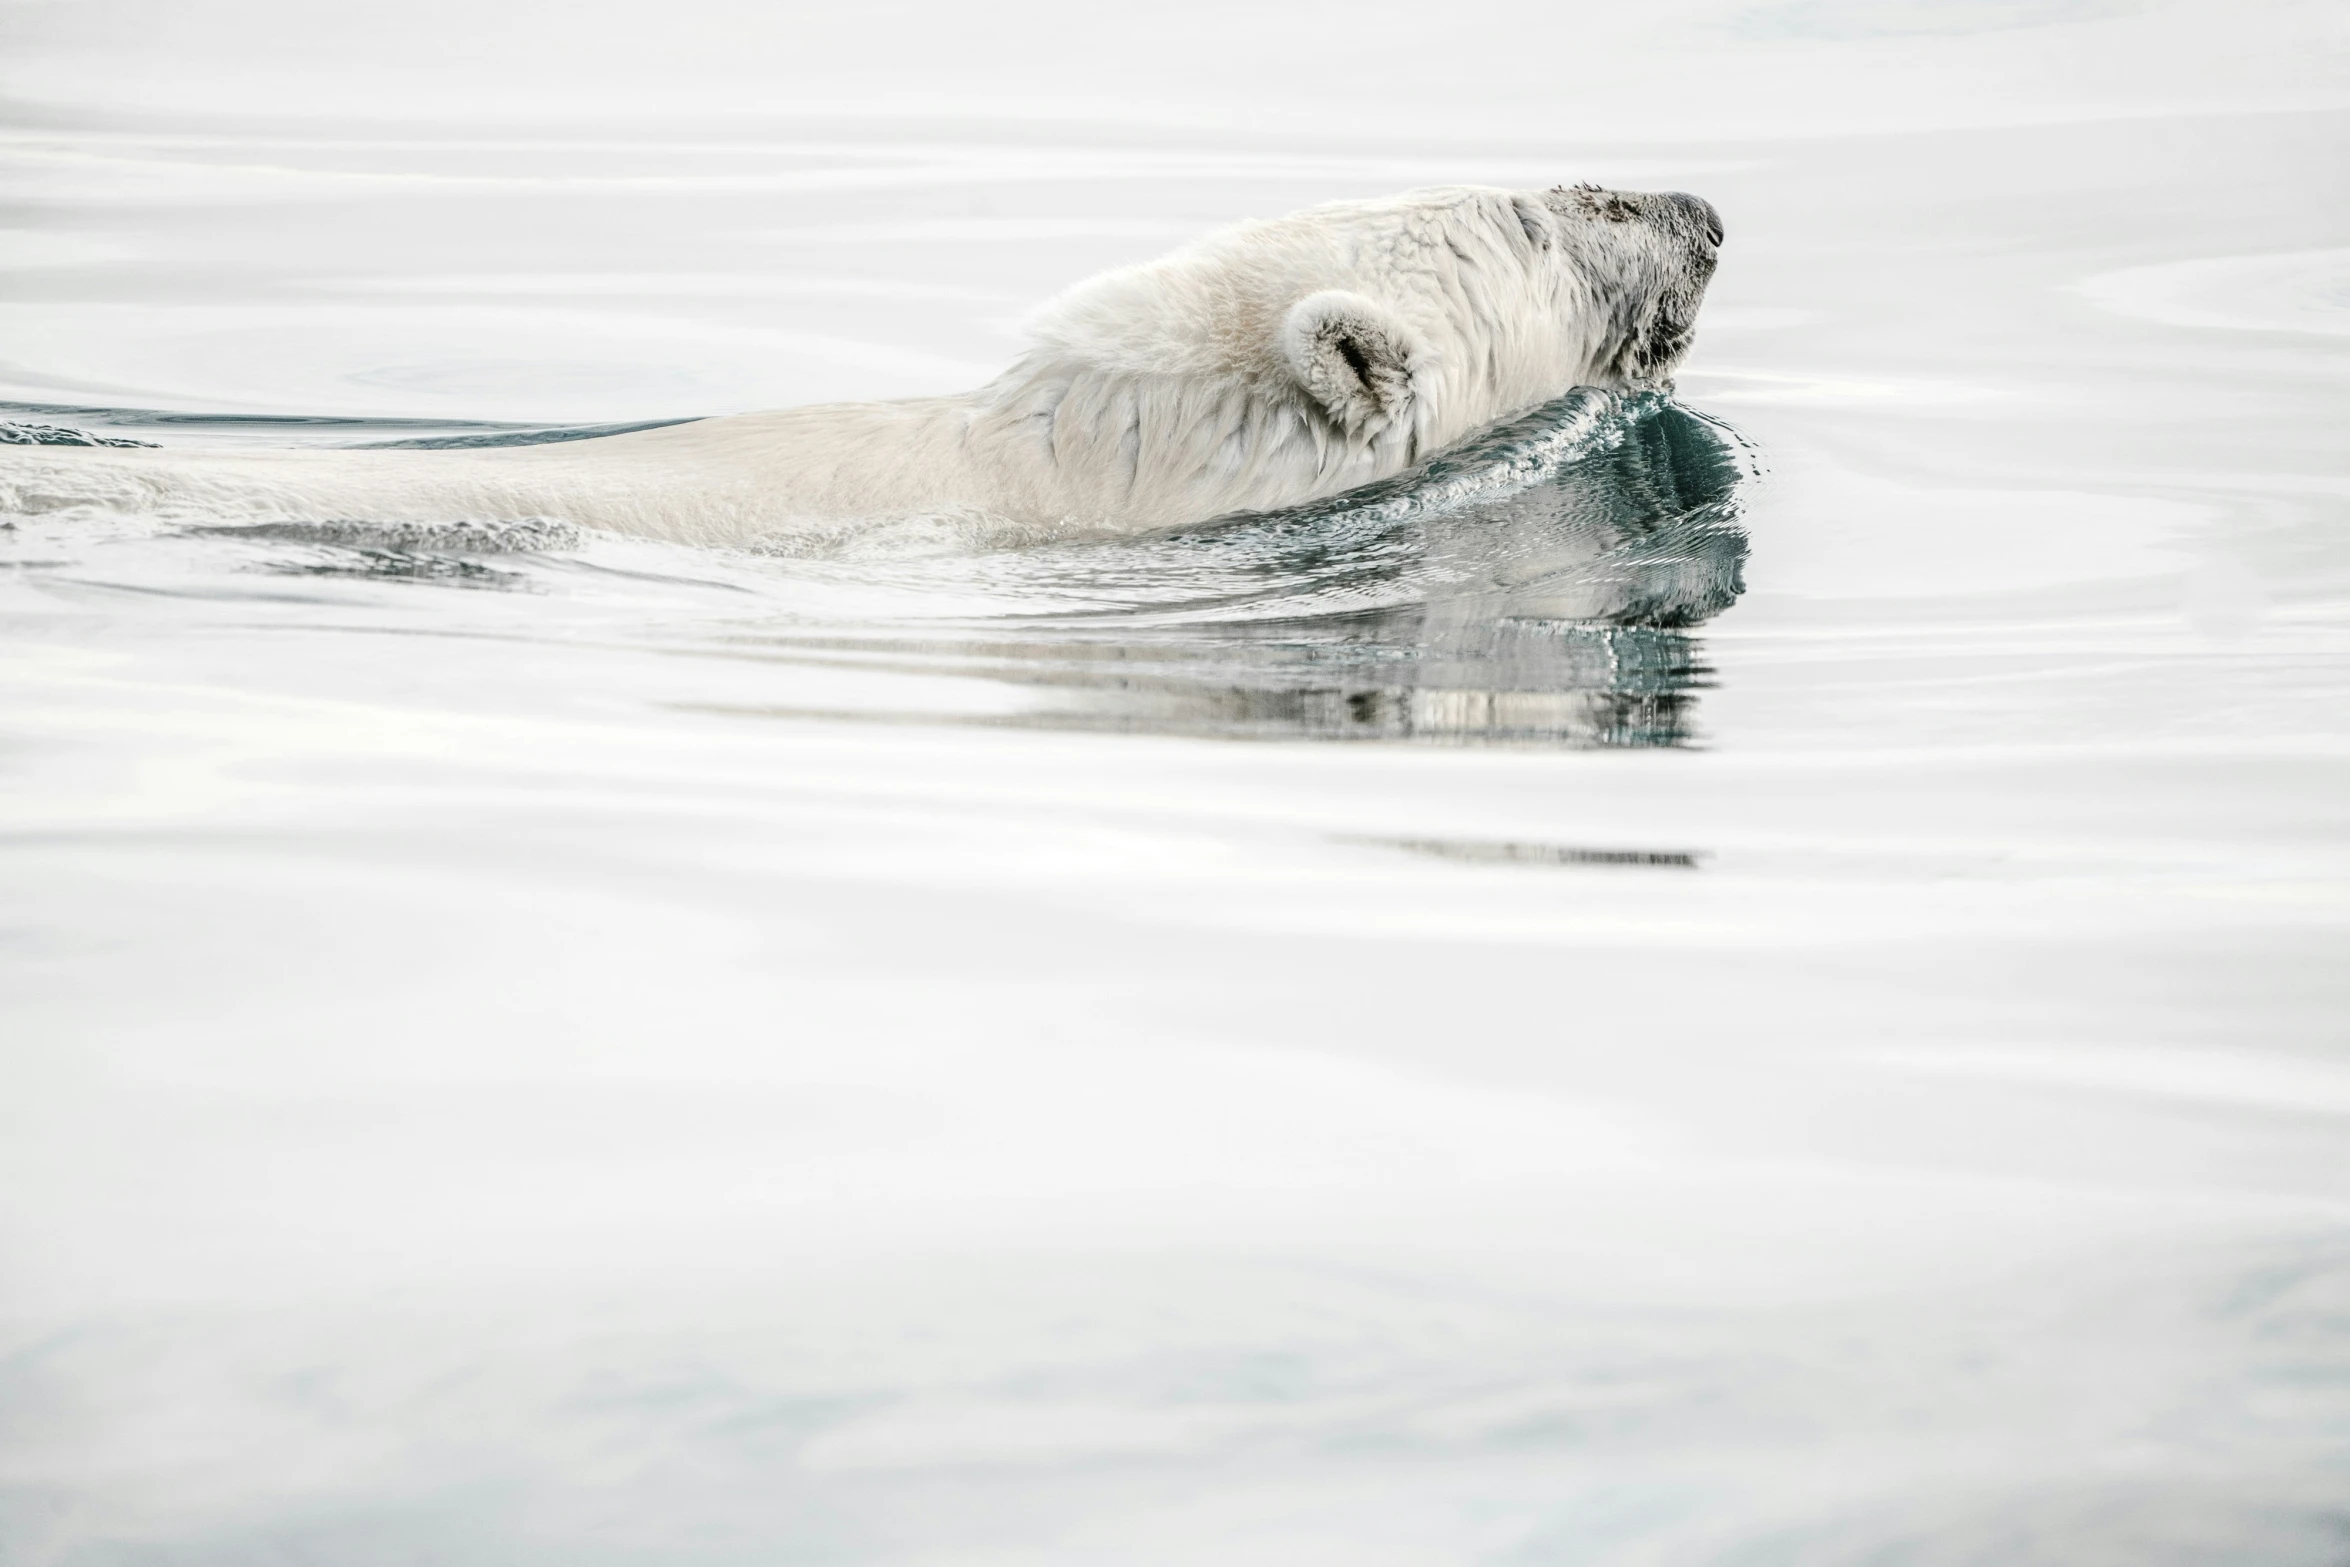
1270	364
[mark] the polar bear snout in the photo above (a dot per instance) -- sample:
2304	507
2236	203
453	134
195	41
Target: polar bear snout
1676	214
1699	212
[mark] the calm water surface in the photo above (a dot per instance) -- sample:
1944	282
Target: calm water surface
1751	978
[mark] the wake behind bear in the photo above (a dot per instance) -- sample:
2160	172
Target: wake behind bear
1271	364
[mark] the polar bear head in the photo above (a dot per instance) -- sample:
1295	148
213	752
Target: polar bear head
1392	328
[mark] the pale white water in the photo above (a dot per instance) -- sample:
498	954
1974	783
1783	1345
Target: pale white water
1441	1041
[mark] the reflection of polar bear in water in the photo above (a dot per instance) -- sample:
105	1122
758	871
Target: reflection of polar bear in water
1274	363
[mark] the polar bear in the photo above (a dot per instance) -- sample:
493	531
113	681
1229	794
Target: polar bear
1270	364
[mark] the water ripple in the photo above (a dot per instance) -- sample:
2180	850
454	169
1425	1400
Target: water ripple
1539	584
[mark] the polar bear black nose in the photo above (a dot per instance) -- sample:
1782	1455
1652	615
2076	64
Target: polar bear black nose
1701	211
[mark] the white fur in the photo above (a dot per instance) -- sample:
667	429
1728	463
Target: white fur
1270	364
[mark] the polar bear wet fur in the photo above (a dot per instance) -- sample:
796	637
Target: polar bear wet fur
1270	364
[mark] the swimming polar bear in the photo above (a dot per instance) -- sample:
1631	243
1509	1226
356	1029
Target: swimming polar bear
1270	364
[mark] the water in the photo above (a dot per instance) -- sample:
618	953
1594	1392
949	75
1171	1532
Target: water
1537	584
1753	978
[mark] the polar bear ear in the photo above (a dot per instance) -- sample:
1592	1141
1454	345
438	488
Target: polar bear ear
1354	357
1533	220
